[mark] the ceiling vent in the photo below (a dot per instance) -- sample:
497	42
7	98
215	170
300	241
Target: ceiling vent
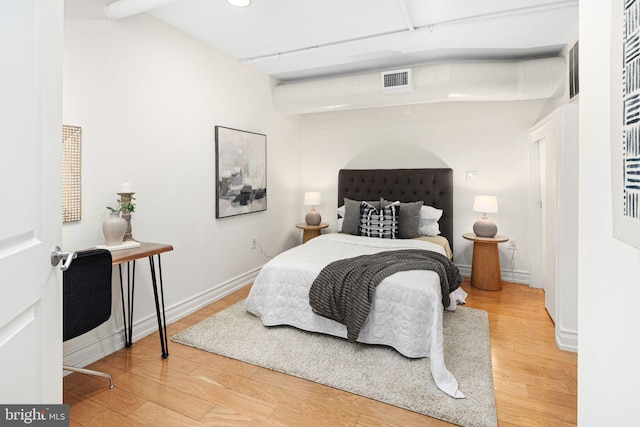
396	81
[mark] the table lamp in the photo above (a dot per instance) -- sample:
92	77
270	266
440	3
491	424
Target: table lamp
312	199
485	227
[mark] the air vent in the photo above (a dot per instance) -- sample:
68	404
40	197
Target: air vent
396	81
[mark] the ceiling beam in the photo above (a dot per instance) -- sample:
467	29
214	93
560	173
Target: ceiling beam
430	27
405	14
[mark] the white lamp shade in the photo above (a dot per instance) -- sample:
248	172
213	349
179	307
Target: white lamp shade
485	204
312	198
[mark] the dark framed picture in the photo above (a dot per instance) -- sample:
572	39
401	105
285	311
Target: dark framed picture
241	172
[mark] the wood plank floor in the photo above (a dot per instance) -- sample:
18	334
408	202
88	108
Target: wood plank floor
535	383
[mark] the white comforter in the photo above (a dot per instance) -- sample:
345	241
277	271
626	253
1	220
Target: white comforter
407	309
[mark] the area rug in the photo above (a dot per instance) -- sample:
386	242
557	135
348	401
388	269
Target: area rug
376	372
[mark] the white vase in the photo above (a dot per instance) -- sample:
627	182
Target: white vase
113	229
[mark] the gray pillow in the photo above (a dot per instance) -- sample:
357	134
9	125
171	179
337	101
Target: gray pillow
408	219
352	215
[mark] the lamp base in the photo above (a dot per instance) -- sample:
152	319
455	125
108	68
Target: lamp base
312	217
485	228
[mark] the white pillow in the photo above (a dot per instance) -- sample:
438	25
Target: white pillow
429	217
340	211
429	227
339	224
429	212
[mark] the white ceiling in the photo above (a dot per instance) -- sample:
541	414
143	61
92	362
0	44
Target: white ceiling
303	39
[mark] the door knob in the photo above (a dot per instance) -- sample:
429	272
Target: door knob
66	257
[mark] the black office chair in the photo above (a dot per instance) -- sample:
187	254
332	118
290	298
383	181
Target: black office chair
86	302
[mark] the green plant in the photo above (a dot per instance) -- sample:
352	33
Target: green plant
127	206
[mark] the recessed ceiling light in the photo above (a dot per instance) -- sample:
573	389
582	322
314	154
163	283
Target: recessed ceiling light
239	3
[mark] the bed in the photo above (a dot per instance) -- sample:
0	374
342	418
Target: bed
407	308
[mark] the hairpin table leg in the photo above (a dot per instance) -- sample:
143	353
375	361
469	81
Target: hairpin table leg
159	299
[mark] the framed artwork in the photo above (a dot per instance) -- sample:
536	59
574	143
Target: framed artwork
241	172
71	173
625	121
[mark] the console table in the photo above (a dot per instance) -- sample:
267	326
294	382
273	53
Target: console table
129	256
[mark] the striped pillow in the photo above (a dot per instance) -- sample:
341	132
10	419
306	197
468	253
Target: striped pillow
381	223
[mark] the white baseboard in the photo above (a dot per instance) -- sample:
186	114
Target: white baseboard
567	340
507	275
103	346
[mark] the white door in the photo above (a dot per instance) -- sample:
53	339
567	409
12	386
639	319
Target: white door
548	221
544	210
554	260
30	194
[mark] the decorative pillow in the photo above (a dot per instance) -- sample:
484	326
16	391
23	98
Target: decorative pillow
352	215
409	222
429	212
382	223
429	227
429	217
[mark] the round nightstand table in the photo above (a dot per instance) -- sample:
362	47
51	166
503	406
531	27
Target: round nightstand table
485	265
311	231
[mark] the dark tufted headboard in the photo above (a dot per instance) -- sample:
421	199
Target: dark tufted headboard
433	186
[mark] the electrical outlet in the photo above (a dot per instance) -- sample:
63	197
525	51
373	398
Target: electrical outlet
253	243
513	245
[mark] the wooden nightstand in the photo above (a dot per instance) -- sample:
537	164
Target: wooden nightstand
311	231
485	265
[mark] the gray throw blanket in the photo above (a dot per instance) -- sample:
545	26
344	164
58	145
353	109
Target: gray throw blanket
344	289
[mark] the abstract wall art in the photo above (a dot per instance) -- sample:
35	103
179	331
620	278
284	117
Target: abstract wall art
625	121
241	172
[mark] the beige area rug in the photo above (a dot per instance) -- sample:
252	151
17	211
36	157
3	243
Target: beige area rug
377	372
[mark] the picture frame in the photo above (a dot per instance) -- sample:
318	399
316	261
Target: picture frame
625	121
241	172
71	173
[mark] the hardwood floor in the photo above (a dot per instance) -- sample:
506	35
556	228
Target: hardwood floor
535	383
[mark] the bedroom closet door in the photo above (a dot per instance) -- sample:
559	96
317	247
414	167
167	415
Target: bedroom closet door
554	218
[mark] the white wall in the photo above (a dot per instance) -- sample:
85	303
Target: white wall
147	98
490	137
608	269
